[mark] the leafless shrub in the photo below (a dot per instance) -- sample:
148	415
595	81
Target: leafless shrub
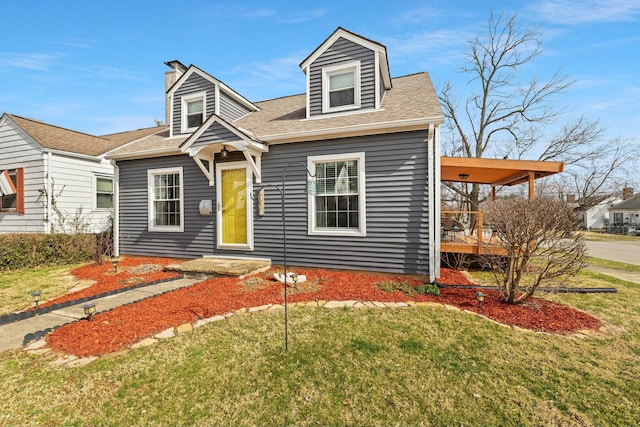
541	248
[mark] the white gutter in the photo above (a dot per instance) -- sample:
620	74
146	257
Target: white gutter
70	154
326	133
116	209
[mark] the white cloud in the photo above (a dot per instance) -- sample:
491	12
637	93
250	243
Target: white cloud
30	61
581	11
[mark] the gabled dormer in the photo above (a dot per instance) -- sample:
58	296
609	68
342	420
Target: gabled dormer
345	74
195	95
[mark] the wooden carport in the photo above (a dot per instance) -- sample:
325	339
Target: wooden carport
494	172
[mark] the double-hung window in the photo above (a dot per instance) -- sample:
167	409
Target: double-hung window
341	87
166	202
193	111
12	190
338	205
104	192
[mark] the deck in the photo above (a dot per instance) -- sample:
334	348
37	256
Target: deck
476	239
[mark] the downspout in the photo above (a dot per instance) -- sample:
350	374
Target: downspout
430	203
48	189
437	201
116	209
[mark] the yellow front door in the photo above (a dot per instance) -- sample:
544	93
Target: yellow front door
234	206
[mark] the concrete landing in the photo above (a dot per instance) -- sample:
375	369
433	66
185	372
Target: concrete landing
215	267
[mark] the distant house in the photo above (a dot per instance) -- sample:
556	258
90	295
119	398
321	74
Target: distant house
359	150
593	212
55	179
627	212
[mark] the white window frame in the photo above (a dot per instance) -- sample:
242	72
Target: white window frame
151	173
327	72
95	191
186	100
313	229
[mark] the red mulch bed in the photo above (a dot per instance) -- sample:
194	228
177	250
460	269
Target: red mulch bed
120	328
106	280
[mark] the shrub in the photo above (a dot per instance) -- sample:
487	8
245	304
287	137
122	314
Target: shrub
538	243
28	250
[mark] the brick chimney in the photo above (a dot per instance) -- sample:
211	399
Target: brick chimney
627	192
170	77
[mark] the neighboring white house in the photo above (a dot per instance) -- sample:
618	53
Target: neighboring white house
594	213
627	212
55	179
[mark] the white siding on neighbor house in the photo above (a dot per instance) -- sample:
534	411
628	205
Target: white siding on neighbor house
73	185
17	150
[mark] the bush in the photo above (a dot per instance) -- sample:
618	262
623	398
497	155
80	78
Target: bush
538	243
28	250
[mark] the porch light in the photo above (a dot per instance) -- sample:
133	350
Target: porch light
224	152
463	175
480	298
89	310
36	297
115	261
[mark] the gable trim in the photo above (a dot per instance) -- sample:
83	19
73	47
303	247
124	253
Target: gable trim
226	89
379	49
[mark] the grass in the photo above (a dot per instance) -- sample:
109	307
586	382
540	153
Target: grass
16	286
592	235
414	366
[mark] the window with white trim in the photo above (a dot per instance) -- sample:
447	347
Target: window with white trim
104	192
12	191
166	200
341	87
338	205
193	111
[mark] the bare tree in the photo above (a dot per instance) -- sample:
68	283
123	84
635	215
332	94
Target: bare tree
505	116
541	248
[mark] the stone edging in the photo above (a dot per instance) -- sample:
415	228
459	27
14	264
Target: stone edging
39	347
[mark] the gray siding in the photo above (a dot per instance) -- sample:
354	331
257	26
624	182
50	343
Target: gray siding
135	239
343	51
230	109
216	133
396	196
194	84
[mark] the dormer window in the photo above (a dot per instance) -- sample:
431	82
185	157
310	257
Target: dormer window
193	111
341	87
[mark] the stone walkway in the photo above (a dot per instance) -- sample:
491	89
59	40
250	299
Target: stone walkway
17	334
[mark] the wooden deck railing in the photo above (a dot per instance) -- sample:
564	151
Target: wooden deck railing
465	232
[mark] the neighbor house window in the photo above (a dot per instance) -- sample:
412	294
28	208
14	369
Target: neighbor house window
617	218
337	206
341	87
193	111
12	195
166	200
104	192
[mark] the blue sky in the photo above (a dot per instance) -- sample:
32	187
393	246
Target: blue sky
98	67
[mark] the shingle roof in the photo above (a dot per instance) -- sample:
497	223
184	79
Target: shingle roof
57	138
132	135
632	203
411	104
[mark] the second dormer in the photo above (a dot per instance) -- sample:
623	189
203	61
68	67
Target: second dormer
192	96
346	74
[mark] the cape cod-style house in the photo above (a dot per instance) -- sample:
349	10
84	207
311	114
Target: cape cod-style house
358	153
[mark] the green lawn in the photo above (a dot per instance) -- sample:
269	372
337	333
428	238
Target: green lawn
414	366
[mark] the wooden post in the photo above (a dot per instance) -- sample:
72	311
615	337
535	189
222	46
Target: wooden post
532	177
479	232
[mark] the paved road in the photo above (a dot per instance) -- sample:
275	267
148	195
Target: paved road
627	251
